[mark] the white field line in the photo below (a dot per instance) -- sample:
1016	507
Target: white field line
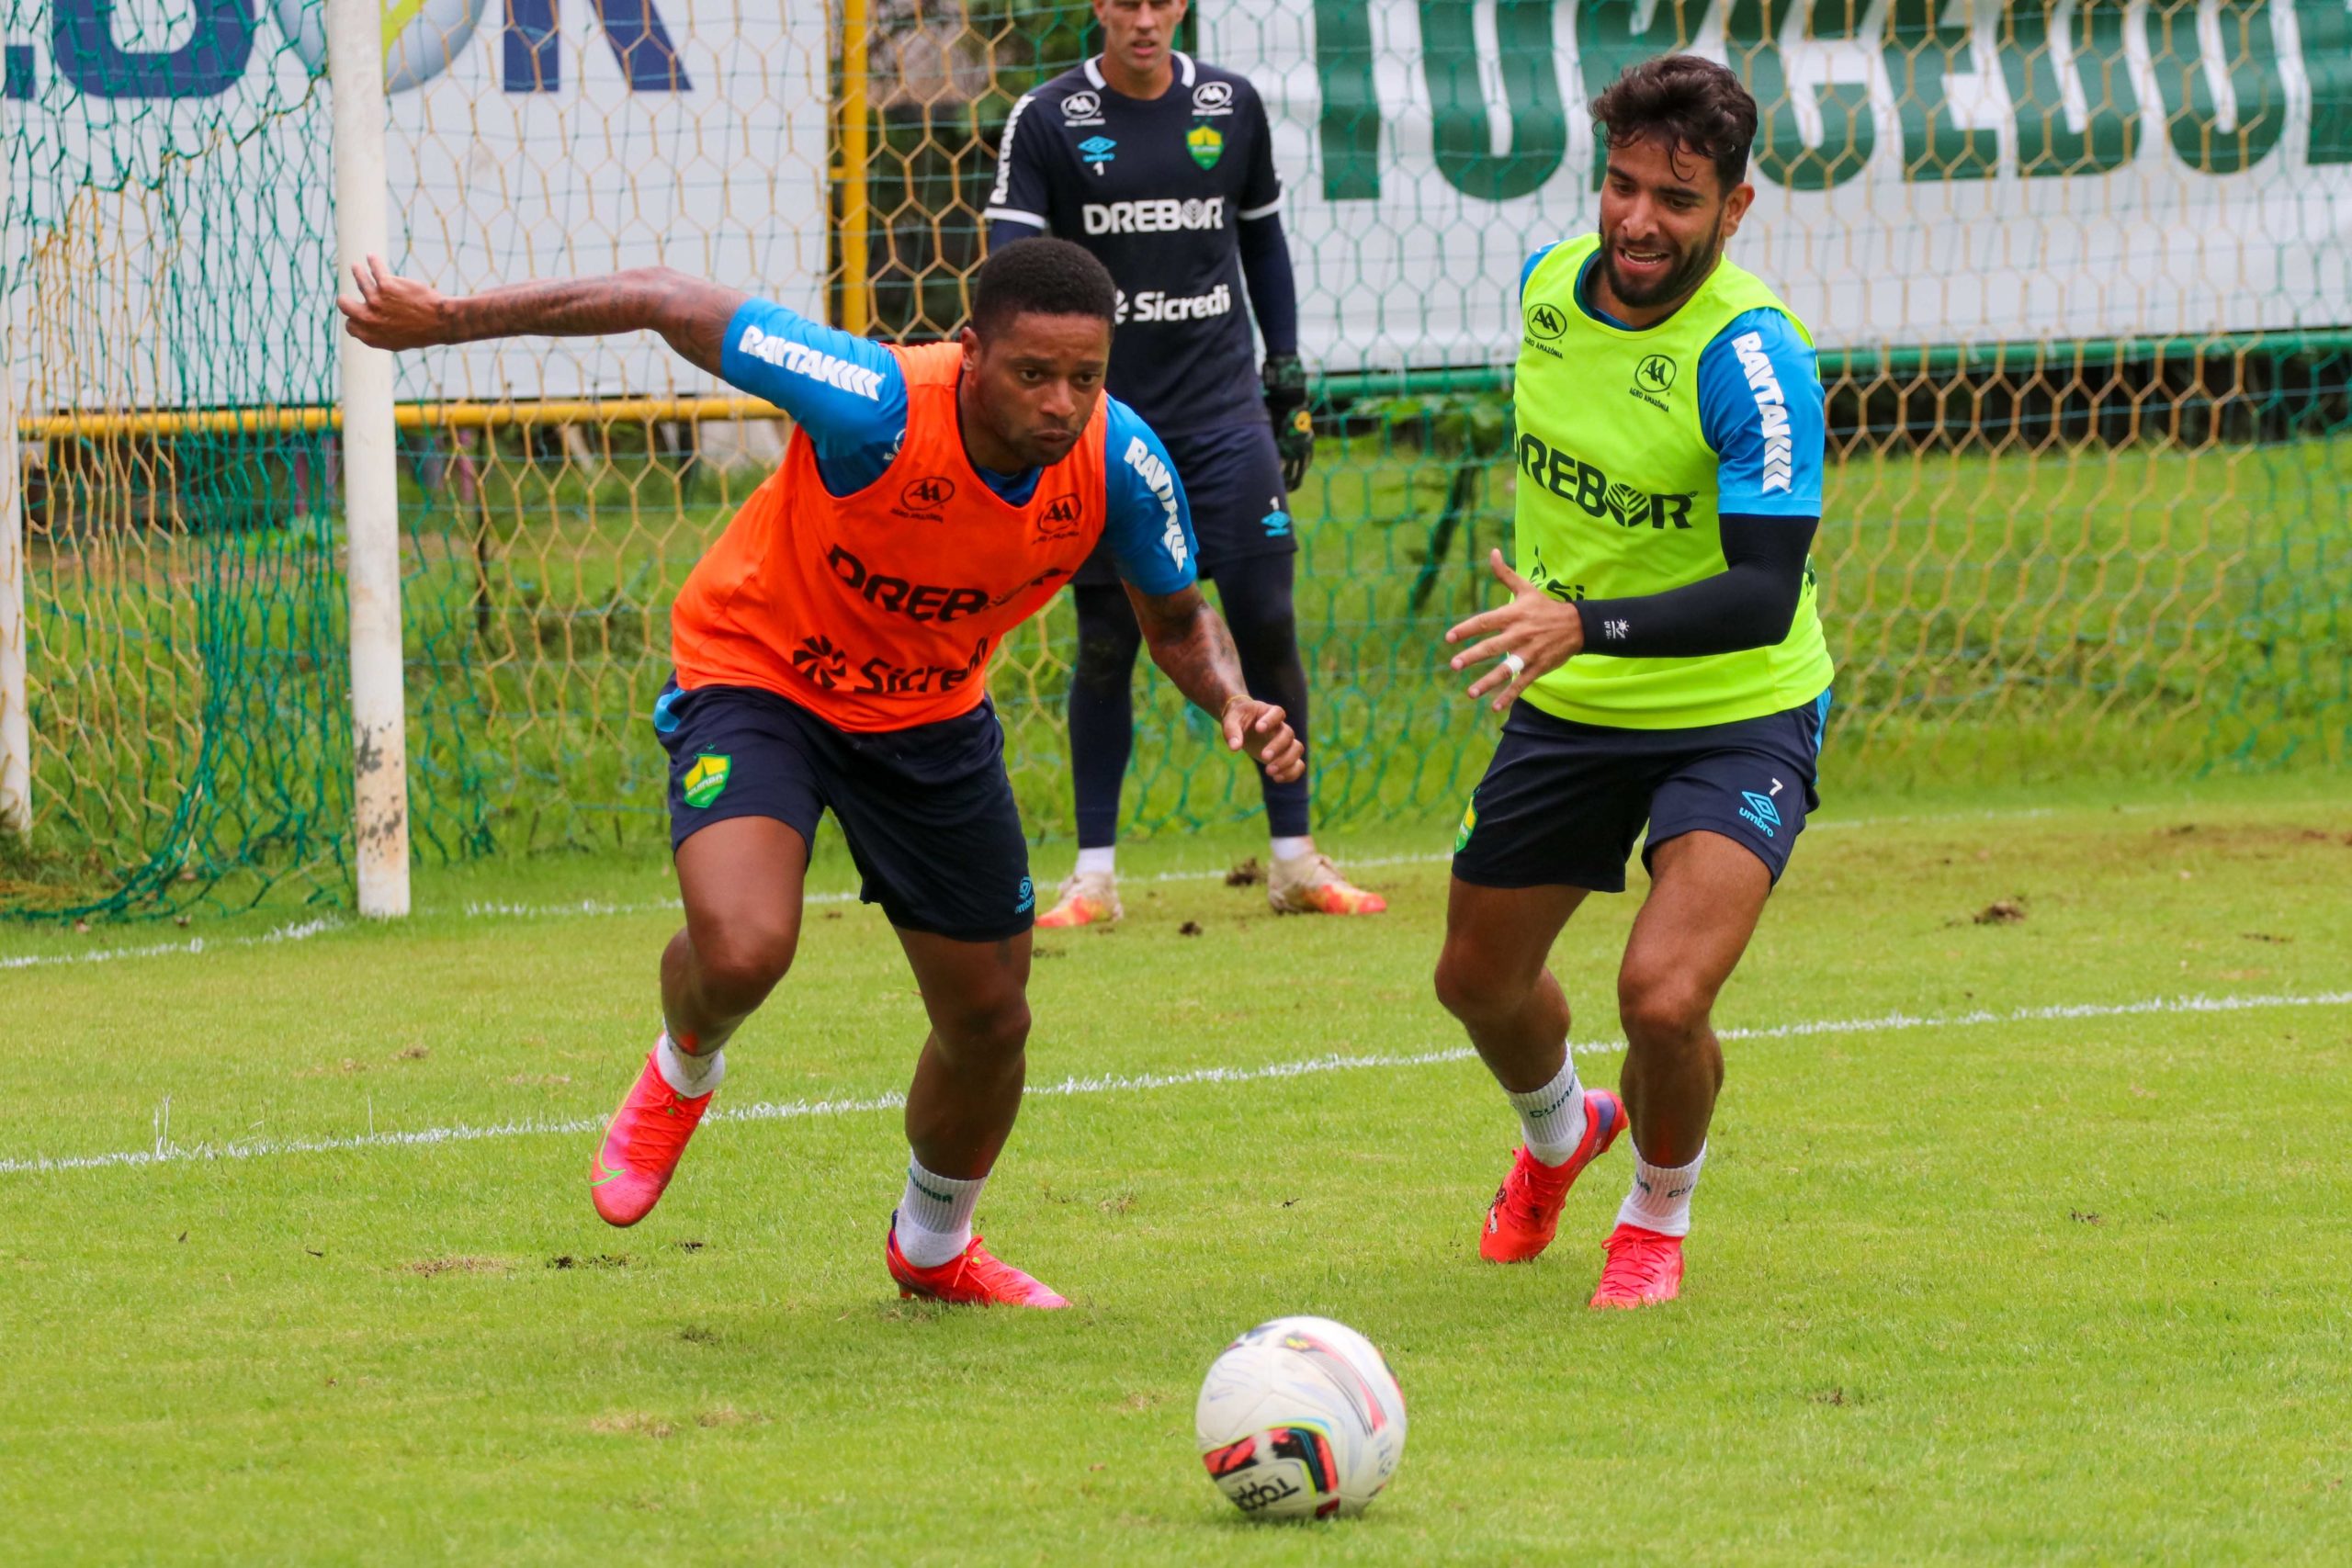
300	932
164	1152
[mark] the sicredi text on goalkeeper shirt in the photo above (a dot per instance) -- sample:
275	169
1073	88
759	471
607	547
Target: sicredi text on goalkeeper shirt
1157	189
1631	444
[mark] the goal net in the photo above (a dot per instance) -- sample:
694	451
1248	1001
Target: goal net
2078	270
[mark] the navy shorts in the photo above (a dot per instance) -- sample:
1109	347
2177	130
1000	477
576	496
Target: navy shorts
928	811
1233	483
1561	803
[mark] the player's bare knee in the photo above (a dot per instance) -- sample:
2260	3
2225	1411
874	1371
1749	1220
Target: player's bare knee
1662	1009
994	1031
1471	988
737	968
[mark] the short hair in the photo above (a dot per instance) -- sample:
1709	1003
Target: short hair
1685	103
1052	278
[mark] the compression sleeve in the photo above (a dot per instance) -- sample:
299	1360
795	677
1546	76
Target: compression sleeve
1148	521
1004	231
1274	291
846	391
1262	183
1020	195
1761	406
1750	603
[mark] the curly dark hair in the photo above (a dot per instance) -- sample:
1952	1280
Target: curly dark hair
1050	276
1685	104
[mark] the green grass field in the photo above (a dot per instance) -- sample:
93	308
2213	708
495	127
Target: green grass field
2002	1254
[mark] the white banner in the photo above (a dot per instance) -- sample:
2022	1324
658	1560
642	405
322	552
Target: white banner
168	183
1938	173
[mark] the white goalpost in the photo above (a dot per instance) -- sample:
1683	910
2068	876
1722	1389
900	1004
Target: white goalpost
371	501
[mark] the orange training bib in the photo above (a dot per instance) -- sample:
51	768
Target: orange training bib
879	610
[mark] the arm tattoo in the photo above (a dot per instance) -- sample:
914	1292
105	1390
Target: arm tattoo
691	313
1189	640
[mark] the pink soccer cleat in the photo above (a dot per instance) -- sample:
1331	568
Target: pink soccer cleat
1526	1210
641	1147
972	1278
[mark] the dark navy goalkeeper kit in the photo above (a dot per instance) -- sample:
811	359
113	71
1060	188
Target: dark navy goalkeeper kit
1158	189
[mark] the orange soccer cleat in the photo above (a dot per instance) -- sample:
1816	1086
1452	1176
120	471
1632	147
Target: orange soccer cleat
1645	1268
972	1278
1311	885
1526	1210
1087	899
641	1147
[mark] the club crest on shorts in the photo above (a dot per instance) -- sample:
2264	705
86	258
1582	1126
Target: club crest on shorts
706	778
1469	826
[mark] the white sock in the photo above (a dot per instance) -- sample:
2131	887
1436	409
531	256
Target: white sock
1291	849
1660	1200
934	1222
1090	861
691	1077
1552	1118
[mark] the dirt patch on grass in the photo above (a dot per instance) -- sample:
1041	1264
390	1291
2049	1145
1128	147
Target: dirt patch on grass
643	1423
431	1266
342	1069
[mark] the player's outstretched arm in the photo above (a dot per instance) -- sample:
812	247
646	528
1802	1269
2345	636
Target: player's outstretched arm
392	312
1189	640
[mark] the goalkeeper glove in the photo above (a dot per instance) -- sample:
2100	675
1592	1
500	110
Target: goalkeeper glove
1285	382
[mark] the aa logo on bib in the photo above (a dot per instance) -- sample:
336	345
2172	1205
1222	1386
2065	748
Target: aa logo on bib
706	778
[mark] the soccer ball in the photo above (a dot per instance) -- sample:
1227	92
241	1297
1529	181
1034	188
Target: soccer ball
1300	1418
427	41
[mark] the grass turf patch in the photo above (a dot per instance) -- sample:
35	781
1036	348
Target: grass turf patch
2026	1287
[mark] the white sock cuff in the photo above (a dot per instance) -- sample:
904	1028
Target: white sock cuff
1551	1117
1659	1199
1291	849
690	1077
935	1215
1104	860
